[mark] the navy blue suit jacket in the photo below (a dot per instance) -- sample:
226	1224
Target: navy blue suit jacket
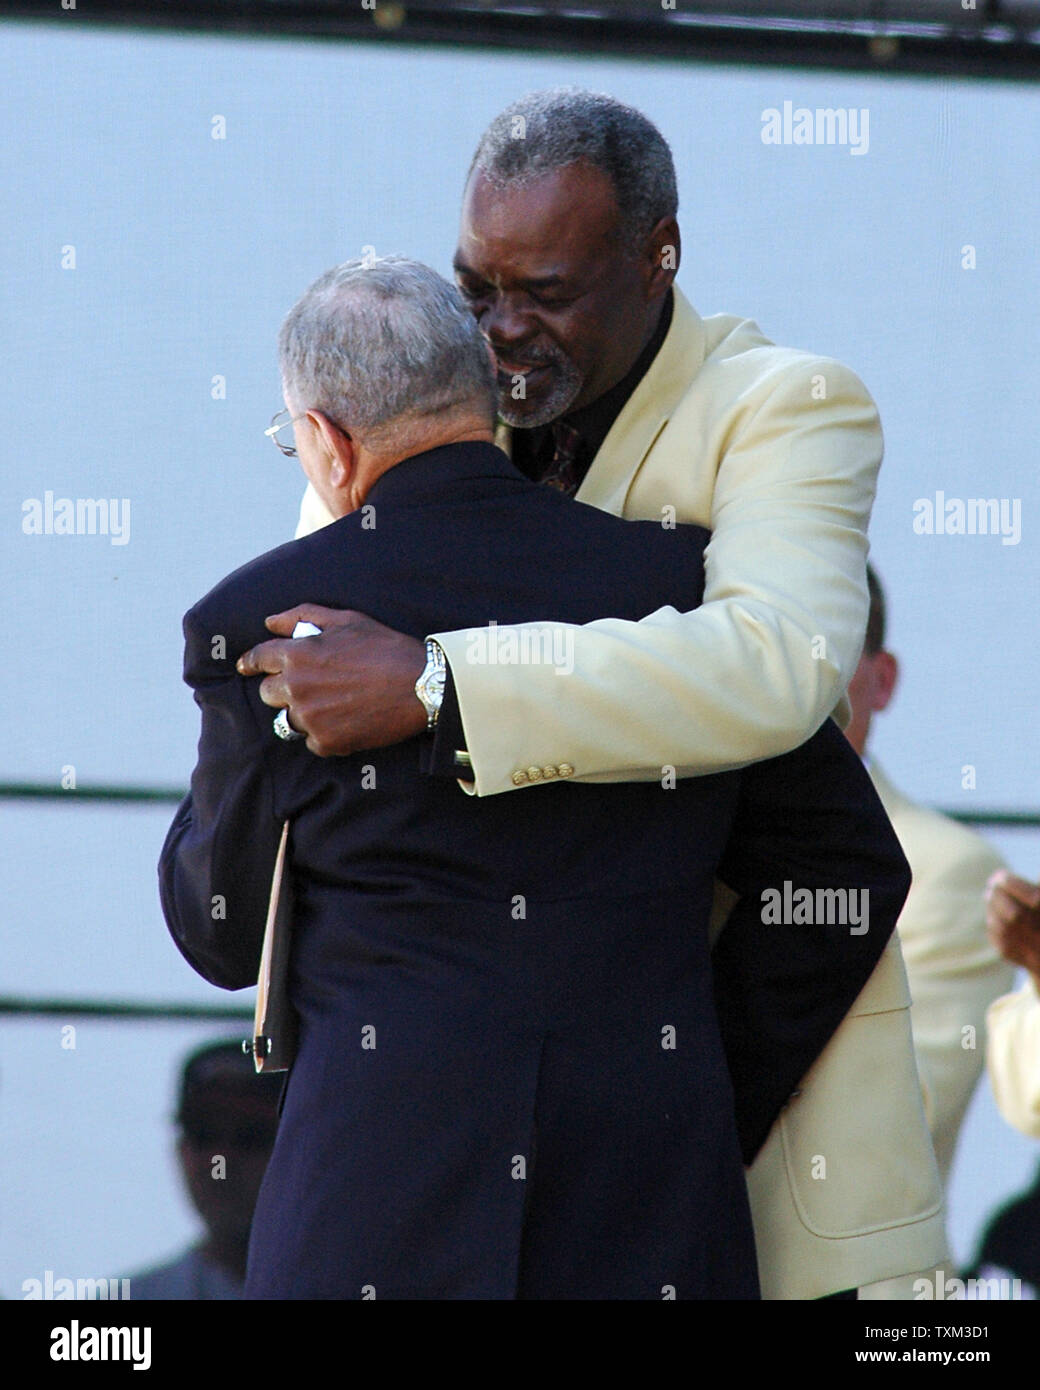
400	878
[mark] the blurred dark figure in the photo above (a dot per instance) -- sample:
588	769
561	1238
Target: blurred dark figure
227	1117
1010	1244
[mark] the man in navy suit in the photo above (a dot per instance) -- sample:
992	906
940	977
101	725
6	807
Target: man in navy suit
511	1078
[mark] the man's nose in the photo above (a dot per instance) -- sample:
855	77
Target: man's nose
504	325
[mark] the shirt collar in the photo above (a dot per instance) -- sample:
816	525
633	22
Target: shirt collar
593	421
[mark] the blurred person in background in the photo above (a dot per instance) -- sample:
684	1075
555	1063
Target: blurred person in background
1013	1021
226	1117
953	969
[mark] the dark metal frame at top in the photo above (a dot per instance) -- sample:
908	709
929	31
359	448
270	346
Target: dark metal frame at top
996	39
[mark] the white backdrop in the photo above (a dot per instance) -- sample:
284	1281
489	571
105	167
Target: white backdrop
189	249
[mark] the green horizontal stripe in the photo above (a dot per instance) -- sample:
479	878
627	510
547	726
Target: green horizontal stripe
124	1009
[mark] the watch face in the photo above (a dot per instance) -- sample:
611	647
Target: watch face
431	688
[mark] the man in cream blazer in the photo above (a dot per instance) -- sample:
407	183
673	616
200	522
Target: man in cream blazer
777	452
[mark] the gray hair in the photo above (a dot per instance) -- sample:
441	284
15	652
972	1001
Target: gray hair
545	131
381	342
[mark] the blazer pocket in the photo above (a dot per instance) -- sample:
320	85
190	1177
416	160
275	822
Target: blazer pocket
857	1150
888	987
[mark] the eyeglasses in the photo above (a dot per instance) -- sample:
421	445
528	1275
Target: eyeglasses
279	422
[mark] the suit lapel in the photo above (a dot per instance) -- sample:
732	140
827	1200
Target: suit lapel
644	415
647	411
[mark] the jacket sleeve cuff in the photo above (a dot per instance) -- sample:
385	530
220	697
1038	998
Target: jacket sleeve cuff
442	758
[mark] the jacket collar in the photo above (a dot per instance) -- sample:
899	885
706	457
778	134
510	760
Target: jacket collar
431	473
646	412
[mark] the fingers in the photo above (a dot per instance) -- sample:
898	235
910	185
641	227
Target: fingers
352	686
1022	891
1012	925
267	658
1001	911
274	691
1004	902
283	623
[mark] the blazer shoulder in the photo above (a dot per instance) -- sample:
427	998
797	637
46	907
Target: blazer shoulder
243	599
738	347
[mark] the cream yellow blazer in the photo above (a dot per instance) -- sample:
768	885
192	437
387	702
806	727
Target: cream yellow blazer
1013	1057
846	1191
777	451
953	970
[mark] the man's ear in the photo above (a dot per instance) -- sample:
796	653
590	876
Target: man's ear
662	252
339	447
885	677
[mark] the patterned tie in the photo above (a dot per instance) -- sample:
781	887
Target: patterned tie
564	472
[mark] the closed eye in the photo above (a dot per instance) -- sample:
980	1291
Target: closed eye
554	301
472	291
